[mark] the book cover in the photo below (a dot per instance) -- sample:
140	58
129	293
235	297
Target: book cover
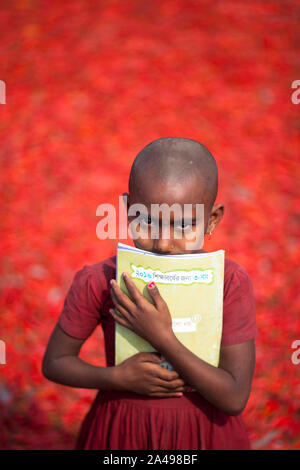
192	286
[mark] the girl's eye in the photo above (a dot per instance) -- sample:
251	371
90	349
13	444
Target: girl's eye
183	226
147	221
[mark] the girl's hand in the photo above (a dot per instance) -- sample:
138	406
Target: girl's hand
151	322
142	374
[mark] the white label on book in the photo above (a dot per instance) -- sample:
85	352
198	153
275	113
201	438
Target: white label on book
186	277
183	325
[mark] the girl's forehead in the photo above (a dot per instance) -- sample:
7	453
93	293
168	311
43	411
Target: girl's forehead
155	191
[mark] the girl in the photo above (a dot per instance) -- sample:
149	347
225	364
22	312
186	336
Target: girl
141	405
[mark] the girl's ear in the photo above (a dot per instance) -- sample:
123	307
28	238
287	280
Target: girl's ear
216	216
219	212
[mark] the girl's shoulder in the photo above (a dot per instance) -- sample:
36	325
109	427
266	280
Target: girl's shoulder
86	298
101	271
91	281
232	266
239	311
236	278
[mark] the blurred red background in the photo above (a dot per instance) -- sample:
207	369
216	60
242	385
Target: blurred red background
88	84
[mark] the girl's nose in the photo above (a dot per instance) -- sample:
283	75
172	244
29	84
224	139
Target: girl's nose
162	246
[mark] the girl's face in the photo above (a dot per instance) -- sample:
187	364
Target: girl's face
181	232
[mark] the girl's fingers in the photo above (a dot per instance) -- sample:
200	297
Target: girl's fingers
155	295
121	320
166	375
163	394
172	386
149	357
122	306
121	298
132	289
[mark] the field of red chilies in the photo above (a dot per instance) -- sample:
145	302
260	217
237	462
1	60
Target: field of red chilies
88	84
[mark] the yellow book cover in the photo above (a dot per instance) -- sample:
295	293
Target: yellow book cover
192	286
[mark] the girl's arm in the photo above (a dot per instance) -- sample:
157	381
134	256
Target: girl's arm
140	373
227	386
61	364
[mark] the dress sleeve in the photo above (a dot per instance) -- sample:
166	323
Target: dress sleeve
81	311
239	312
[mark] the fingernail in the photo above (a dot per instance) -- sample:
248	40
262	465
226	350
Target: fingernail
151	285
179	394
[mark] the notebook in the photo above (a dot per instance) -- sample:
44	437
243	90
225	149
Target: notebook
191	285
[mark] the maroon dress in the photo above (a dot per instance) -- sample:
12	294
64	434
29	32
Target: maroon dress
130	421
